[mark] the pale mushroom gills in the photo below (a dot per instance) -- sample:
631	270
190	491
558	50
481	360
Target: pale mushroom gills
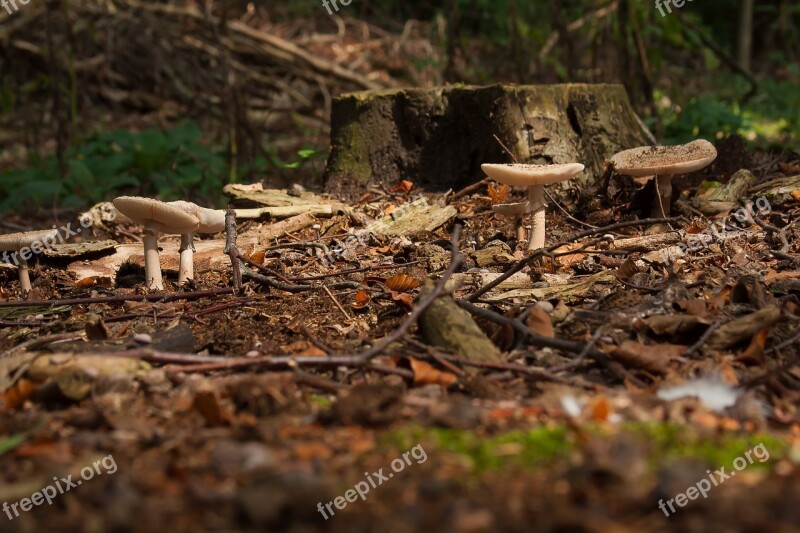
23	245
664	162
534	177
157	217
210	221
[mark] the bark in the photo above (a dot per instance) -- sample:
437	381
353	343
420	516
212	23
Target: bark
438	138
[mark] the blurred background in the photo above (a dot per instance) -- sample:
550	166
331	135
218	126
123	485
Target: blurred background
179	98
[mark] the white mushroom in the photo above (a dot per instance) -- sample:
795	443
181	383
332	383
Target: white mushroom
211	221
157	217
515	211
534	177
664	162
24	245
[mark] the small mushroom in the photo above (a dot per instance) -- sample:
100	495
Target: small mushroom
24	245
534	177
516	211
664	162
211	221
157	217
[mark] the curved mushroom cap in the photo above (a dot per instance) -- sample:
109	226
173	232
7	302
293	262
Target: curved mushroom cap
526	175
13	242
211	220
170	219
512	210
650	160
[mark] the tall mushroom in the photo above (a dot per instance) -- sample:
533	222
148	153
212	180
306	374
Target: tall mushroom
515	211
664	162
157	217
210	221
24	245
534	177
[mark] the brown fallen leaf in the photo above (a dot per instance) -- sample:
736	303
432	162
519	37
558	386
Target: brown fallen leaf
653	358
16	395
626	270
754	354
539	321
362	300
404	298
207	403
426	374
403	186
402	283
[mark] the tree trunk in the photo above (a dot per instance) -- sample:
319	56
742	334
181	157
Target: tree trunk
745	46
438	138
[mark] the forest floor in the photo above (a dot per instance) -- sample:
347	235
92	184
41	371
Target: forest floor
218	409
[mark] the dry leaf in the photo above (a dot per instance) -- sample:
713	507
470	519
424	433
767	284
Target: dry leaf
626	270
755	351
569	259
207	404
426	374
361	301
796	194
653	358
16	395
404	298
402	283
541	324
403	186
498	193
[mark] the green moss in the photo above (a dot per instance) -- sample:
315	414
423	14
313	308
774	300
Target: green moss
320	400
353	153
548	443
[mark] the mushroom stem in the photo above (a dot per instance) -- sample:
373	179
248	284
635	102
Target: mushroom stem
536	198
661	207
187	258
152	263
24	276
520	229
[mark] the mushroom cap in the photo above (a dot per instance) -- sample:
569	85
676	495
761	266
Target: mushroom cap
211	220
512	210
15	241
516	174
650	160
169	218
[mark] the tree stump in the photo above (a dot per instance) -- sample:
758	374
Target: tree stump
438	138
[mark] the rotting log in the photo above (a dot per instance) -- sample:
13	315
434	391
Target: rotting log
438	138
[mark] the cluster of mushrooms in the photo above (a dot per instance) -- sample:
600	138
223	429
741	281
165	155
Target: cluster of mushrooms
188	219
181	218
663	162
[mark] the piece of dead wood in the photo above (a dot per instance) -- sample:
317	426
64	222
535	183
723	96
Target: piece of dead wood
646	243
725	198
284	211
567	292
742	329
445	325
779	191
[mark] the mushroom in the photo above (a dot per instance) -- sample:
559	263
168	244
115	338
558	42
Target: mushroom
534	177
157	217
664	162
515	211
211	221
24	245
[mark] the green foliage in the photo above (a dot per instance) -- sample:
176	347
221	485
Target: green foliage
171	164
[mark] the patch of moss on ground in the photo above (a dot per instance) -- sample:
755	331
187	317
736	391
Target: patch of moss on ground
549	443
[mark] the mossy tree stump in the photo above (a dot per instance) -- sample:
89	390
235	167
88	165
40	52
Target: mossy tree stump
438	138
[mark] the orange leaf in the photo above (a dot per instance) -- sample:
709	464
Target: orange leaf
362	300
755	351
539	321
498	194
796	194
16	395
405	299
402	283
425	374
403	186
